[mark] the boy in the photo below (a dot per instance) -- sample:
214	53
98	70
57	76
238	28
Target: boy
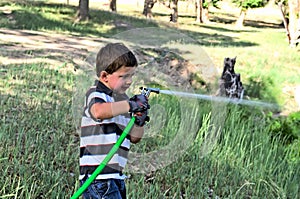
106	114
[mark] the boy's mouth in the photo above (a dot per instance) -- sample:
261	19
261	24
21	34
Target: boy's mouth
125	87
122	89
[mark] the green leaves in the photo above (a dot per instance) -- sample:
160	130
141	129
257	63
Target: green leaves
246	4
285	129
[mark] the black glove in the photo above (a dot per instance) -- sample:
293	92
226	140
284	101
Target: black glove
141	118
138	103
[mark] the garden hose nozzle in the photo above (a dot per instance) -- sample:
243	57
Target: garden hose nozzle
147	91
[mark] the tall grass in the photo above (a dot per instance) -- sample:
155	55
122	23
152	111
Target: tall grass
244	163
39	149
37	135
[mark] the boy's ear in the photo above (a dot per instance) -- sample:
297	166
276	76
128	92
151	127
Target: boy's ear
103	76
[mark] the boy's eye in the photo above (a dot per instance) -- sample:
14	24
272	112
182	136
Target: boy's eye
126	76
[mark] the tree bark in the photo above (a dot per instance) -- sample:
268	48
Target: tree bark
199	10
148	5
285	21
174	14
205	16
293	22
113	5
83	12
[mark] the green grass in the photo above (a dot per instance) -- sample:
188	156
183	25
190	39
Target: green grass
245	163
39	149
37	133
39	144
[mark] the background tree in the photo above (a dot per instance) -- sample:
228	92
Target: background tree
172	5
174	11
148	5
199	11
294	22
282	4
113	5
83	11
245	5
202	13
290	10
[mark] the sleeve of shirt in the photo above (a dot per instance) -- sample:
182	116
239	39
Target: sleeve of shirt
93	98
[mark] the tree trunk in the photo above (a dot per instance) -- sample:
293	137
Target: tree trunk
174	14
113	5
205	16
199	10
240	21
148	5
293	22
285	21
83	12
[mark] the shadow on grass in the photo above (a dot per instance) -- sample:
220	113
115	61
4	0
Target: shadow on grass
227	18
262	24
220	40
222	29
57	17
160	14
36	21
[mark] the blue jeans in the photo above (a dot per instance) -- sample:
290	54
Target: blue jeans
105	189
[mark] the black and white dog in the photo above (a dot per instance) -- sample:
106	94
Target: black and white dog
230	82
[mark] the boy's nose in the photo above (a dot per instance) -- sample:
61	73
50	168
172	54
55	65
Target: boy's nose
129	81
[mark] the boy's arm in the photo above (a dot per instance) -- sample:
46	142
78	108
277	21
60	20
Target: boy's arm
109	109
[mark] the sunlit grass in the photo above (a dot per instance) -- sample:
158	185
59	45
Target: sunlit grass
35	134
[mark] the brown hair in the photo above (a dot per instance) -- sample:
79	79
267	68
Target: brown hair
113	56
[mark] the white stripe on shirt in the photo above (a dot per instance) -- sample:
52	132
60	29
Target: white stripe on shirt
94	160
103	139
106	176
96	95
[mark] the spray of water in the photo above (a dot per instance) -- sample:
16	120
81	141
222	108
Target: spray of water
220	99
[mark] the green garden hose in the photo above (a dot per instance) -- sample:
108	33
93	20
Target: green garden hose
108	157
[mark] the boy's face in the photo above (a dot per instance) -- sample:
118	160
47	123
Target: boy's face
120	80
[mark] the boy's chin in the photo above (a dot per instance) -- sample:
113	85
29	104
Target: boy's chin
120	91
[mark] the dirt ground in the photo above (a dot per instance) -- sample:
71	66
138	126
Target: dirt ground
26	46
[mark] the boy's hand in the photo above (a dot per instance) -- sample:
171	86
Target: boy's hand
141	118
138	103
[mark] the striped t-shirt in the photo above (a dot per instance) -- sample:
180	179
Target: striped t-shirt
98	136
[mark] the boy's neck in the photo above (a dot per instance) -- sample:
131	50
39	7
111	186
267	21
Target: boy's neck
104	83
